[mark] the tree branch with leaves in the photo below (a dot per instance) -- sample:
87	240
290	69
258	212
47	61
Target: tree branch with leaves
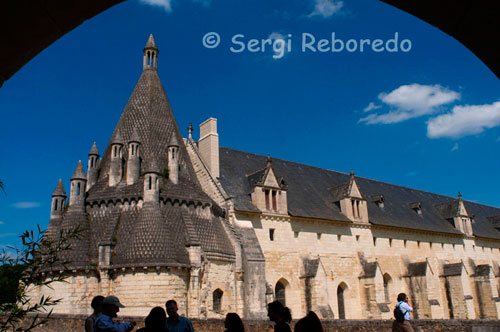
36	264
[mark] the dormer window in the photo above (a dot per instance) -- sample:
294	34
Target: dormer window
417	207
379	200
269	191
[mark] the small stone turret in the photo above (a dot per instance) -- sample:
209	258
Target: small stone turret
93	166
78	184
150	60
116	163
134	158
173	159
58	200
151	182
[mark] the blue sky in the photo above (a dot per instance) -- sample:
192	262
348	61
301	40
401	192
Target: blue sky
427	118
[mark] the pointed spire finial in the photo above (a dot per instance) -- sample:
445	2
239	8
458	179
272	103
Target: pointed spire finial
459	196
150	43
59	191
269	161
351	173
79	173
190	130
94	151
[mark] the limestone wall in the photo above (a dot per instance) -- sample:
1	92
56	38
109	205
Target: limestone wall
343	249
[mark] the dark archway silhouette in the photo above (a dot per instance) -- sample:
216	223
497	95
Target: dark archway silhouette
280	291
341	299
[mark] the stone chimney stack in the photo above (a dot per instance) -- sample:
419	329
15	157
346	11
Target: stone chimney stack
209	145
116	164
134	159
58	199
78	184
151	182
173	159
93	166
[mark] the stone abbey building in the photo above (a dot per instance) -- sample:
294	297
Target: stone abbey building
221	230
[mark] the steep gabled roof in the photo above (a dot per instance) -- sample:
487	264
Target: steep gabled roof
309	195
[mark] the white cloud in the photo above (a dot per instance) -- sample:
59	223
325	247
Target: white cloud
326	8
455	147
412	101
26	205
371	106
165	4
464	120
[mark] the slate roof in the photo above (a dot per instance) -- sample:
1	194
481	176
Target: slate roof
310	195
155	234
340	191
148	113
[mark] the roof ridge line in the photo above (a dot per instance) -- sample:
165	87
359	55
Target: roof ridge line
361	177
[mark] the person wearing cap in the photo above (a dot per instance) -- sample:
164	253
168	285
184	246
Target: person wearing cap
104	322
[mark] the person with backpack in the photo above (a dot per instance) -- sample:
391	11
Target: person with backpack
402	315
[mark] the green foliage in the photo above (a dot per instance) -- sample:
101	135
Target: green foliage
164	173
23	269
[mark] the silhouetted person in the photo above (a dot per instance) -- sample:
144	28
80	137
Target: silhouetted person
176	323
104	322
405	308
309	323
280	315
156	321
233	323
96	304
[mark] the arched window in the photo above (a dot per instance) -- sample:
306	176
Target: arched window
217	300
279	291
340	300
387	287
